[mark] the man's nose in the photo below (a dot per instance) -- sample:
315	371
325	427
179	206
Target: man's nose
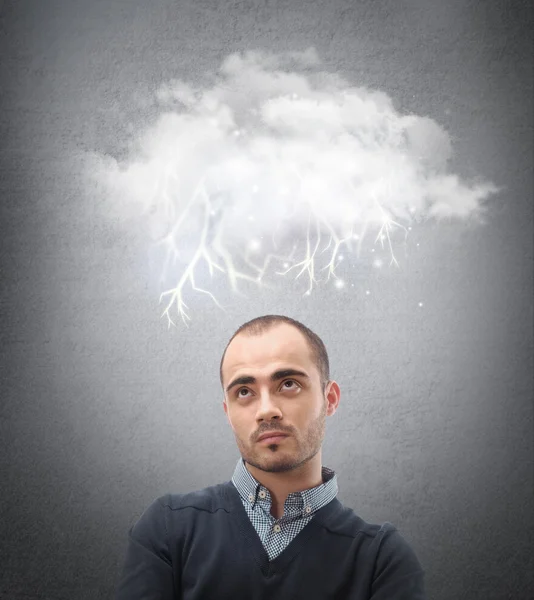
268	406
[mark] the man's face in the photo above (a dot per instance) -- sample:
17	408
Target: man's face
293	404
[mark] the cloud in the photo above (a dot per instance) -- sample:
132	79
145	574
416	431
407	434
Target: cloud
274	145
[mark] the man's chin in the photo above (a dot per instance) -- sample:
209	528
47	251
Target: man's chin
272	464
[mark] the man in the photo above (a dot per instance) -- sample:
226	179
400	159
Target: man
276	530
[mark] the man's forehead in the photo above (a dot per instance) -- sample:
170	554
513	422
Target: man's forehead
284	344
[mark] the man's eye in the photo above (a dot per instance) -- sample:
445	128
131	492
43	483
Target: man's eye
294	383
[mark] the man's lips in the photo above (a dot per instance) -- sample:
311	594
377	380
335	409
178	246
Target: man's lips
272	435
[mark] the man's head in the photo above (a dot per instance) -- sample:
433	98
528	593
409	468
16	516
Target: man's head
275	376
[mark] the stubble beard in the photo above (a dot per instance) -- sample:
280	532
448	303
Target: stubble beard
276	460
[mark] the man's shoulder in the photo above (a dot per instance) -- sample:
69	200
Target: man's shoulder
346	521
210	498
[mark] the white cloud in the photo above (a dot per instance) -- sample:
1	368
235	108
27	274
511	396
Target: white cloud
273	135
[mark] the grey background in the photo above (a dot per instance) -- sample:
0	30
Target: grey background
103	408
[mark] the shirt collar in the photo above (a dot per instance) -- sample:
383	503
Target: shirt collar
248	486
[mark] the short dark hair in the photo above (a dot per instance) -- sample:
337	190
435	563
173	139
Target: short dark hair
259	325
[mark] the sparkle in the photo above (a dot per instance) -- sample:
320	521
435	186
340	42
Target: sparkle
377	263
367	292
339	283
420	304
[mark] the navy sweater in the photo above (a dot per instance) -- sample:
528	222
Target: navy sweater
202	546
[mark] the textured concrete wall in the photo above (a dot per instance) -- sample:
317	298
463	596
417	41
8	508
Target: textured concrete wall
103	408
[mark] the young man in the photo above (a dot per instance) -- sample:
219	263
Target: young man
276	530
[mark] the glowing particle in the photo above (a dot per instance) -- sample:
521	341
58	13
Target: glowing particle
409	228
340	257
372	249
420	304
367	292
237	133
286	265
412	209
377	263
340	283
418	243
254	245
355	237
294	96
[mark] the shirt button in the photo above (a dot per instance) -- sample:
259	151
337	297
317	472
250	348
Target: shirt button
262	494
308	509
251	498
277	528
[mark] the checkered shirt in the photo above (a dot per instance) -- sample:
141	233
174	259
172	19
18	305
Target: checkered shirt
299	507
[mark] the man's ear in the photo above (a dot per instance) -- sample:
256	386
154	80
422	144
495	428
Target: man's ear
333	396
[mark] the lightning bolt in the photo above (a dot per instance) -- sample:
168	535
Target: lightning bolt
214	249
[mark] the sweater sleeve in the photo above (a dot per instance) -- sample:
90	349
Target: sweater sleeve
398	574
147	570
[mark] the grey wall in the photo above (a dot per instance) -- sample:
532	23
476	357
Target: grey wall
103	408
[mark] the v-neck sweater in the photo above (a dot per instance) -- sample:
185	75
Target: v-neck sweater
202	545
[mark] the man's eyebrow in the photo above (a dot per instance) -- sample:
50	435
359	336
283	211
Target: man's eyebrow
280	374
